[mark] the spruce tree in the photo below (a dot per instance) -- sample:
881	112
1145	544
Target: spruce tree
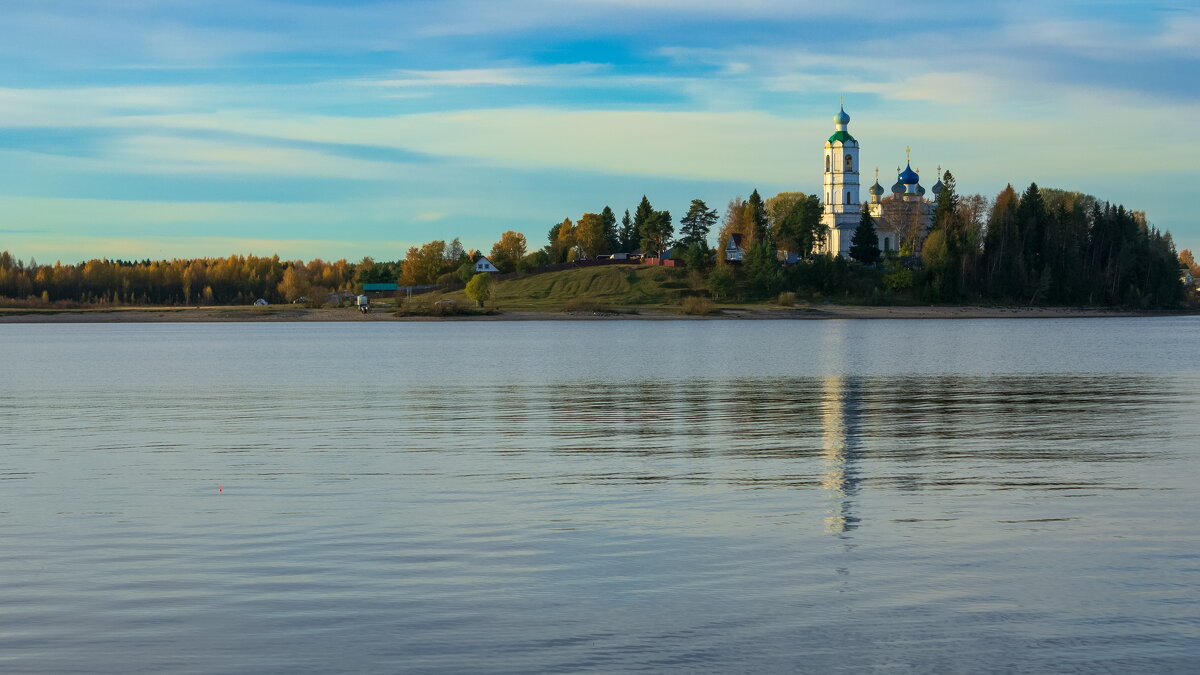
643	213
612	237
758	214
629	236
762	269
864	245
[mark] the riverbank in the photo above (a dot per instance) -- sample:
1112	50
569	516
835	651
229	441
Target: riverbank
831	311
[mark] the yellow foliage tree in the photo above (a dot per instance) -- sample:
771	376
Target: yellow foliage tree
507	252
590	235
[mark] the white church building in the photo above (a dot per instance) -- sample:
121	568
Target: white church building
903	216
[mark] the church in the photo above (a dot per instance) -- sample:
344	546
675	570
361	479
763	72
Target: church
901	219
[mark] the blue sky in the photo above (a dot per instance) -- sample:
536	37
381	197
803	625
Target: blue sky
181	128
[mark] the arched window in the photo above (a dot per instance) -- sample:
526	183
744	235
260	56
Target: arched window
849	162
827	162
887	243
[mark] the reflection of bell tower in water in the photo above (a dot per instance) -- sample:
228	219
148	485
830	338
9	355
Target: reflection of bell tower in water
841	414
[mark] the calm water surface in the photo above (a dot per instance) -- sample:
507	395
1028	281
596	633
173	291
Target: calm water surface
771	496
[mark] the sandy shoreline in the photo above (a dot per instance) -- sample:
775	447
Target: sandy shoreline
284	313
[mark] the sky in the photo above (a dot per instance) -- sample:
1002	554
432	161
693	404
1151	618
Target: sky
310	128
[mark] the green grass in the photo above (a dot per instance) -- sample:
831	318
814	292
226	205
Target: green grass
616	286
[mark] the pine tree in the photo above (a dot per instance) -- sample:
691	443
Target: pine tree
864	245
694	227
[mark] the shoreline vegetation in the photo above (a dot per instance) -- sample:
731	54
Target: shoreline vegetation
1043	252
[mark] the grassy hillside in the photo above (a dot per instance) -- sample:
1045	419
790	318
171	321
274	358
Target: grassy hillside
612	286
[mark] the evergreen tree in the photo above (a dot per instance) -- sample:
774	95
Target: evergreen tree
629	235
758	215
946	251
694	227
864	245
796	223
640	216
696	256
656	232
762	269
612	238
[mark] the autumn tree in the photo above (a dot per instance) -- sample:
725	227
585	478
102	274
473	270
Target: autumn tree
564	241
295	283
422	266
455	254
1188	262
735	222
794	220
590	236
509	251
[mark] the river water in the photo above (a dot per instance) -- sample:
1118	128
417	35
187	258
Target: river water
551	497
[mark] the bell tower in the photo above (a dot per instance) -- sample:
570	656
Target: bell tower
841	168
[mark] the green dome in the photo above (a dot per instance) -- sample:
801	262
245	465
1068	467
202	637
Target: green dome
842	136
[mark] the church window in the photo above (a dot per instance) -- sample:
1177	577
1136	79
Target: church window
887	243
827	158
849	162
848	200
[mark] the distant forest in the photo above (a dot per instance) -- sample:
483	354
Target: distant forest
1042	246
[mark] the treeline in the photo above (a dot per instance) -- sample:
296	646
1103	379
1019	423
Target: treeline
1048	247
198	281
1038	247
1041	247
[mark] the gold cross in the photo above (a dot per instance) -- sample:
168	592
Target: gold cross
908	154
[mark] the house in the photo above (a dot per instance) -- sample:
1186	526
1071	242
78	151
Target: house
485	265
733	250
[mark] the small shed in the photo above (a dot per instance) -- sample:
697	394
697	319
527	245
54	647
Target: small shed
380	288
485	265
